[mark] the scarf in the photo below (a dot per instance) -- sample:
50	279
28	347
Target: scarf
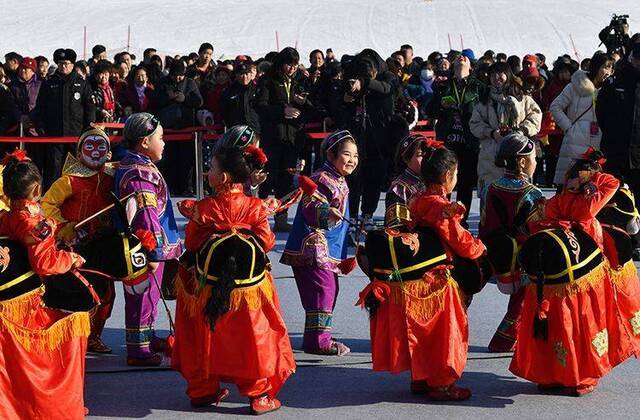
505	107
107	95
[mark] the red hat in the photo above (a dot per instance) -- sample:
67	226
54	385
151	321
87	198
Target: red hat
29	63
531	71
531	58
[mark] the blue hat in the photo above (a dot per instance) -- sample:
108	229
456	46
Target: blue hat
468	52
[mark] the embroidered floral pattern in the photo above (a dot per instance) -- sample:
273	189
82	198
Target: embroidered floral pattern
635	323
601	342
561	353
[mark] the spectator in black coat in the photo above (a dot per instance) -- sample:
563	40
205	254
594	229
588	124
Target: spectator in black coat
9	113
175	102
64	108
281	106
237	101
618	114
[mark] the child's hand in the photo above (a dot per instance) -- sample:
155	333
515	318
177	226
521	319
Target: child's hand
78	261
455	209
258	177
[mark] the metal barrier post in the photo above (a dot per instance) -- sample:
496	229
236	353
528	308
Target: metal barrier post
21	144
198	155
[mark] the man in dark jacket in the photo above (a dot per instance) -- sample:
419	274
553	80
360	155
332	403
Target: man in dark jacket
26	86
451	107
237	101
64	108
280	105
175	102
369	105
9	113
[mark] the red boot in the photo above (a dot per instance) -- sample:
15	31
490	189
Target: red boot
448	393
209	400
264	404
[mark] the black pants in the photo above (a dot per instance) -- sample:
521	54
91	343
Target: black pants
366	184
178	166
282	155
467	174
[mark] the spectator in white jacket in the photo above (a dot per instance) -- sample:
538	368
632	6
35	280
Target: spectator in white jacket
574	111
502	109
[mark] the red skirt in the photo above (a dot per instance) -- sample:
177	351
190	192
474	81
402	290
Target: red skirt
577	349
250	342
624	317
42	359
421	326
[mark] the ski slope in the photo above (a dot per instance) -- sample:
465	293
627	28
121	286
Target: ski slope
35	27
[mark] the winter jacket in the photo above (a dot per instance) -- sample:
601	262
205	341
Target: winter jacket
568	110
525	117
175	103
26	93
274	92
129	97
111	104
237	106
452	125
615	107
64	106
212	95
9	113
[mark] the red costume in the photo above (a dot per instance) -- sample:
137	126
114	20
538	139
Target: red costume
79	193
41	350
587	336
421	325
250	345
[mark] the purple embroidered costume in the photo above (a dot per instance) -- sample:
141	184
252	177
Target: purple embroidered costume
315	247
406	186
153	212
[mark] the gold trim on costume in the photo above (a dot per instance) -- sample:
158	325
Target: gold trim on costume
16	280
635	323
601	342
561	353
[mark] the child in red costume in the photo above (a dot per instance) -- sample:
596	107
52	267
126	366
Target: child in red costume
39	347
586	337
242	337
84	189
422	325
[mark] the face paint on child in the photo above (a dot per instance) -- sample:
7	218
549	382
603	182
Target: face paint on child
94	151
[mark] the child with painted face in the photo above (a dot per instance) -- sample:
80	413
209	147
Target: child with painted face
229	325
317	243
83	189
40	346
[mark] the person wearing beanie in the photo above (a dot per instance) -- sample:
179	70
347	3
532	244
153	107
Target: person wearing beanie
506	207
25	89
468	52
84	189
175	101
237	101
64	108
153	211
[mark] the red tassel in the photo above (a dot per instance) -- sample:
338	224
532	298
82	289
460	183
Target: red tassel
380	290
171	341
186	208
257	153
147	239
17	154
348	265
308	186
543	309
435	144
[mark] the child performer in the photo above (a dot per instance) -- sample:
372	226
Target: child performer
443	330
507	205
583	342
231	332
317	243
153	211
408	184
43	350
83	190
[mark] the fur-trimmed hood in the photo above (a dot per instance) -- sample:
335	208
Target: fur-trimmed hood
582	84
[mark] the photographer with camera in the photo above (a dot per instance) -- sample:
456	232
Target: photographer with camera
616	35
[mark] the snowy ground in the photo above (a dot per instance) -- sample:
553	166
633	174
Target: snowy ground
37	27
346	387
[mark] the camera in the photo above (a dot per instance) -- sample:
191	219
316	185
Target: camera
618	22
615	36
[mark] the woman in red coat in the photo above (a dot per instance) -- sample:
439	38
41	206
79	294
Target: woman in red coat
229	328
421	325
